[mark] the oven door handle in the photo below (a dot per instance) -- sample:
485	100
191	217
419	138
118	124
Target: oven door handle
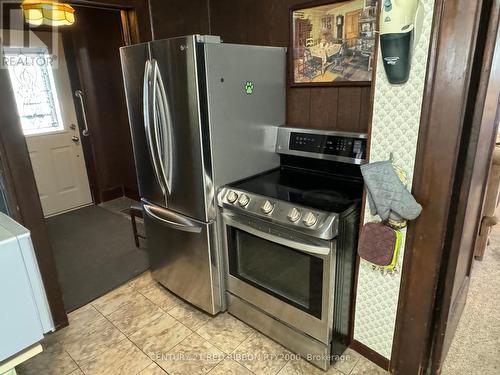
303	246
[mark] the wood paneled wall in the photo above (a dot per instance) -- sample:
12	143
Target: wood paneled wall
170	18
265	22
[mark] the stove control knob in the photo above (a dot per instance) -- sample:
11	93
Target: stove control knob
310	219
232	197
294	215
267	207
244	200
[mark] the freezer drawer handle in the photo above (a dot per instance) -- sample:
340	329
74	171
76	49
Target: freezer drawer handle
178	226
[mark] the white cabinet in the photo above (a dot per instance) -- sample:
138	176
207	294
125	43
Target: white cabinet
24	310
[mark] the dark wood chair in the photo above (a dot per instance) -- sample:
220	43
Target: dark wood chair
135	212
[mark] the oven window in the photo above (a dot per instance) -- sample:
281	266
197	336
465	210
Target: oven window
290	275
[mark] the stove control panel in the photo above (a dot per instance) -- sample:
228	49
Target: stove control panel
320	224
321	144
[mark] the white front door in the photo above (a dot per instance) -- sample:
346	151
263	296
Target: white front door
60	173
46	108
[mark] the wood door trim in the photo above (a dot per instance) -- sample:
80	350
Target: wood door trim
450	304
137	11
20	181
434	180
371	354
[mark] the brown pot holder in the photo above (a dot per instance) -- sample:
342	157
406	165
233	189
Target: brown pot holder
379	244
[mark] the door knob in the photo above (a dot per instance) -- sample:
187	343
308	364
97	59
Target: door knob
75	139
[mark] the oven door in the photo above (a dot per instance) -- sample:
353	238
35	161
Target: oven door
287	275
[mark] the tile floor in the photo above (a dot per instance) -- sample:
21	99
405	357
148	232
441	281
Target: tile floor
140	328
475	346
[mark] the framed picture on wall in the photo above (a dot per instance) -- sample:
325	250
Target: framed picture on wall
332	43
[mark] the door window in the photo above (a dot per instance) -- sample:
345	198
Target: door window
35	91
289	275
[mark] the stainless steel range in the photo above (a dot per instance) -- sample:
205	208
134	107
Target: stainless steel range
290	242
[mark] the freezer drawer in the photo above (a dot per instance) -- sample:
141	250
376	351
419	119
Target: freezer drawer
183	256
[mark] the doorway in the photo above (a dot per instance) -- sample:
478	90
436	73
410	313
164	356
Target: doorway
74	119
48	118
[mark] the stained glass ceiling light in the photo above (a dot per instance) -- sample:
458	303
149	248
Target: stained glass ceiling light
46	12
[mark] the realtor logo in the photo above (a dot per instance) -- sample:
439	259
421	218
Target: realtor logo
22	45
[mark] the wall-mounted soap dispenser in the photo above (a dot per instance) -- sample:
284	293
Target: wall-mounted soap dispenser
400	26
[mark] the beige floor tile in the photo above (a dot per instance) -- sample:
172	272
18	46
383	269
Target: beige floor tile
89	341
347	361
192	356
158	337
160	297
115	299
122	358
83	316
365	367
134	315
225	332
261	355
302	367
189	316
143	281
78	320
77	372
153	369
230	367
474	348
53	360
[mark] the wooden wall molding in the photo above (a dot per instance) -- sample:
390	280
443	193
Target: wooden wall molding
372	355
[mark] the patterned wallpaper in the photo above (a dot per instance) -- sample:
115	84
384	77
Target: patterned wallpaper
395	128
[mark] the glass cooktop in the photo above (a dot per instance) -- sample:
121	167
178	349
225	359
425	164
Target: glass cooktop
307	188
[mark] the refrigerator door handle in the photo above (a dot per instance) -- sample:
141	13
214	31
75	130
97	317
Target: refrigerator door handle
173	220
163	127
149	109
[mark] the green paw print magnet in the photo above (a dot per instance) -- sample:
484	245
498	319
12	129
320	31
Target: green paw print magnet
249	88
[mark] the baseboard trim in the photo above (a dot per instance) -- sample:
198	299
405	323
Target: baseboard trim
131	193
370	354
111	193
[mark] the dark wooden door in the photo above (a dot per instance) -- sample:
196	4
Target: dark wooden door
473	165
93	42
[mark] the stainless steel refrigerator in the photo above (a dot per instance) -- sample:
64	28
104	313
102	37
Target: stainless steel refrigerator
202	114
